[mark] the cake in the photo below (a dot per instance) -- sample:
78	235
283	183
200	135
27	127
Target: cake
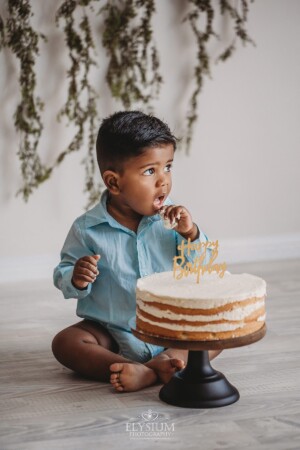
215	308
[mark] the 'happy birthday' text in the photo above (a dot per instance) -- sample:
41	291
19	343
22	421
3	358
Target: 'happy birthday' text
183	268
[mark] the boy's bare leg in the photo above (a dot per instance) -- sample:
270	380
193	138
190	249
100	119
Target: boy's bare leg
88	349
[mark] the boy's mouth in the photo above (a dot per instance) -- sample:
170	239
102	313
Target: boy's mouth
159	201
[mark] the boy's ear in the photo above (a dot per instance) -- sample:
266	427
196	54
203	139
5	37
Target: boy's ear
111	180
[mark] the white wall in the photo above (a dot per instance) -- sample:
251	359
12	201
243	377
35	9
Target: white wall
241	180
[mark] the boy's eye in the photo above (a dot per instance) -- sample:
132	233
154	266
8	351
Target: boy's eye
149	171
168	168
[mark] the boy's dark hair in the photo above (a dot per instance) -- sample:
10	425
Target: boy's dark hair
126	134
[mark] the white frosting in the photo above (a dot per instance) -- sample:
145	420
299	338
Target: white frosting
210	327
211	292
237	314
261	318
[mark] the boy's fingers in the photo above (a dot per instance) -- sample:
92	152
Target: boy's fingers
91	259
173	212
84	278
168	210
85	271
179	213
90	266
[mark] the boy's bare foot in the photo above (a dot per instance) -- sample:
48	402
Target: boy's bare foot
165	367
131	376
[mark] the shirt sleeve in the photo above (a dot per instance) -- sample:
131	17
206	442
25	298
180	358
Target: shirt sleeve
73	249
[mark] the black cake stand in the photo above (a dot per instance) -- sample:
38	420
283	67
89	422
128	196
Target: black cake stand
198	385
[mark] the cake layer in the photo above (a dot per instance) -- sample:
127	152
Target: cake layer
188	326
198	311
207	333
235	311
198	320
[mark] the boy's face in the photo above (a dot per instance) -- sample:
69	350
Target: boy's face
146	180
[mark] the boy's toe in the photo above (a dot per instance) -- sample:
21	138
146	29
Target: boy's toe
117	385
177	363
114	377
116	367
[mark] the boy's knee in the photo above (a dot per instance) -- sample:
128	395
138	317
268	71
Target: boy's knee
63	344
66	343
58	344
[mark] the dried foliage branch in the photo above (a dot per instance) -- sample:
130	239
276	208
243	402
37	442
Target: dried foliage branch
80	107
240	23
203	67
133	70
19	36
2	33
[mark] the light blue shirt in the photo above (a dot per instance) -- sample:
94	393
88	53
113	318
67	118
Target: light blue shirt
125	257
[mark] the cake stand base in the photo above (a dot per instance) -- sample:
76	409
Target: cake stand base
198	385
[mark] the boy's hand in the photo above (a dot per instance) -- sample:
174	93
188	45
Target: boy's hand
181	216
85	271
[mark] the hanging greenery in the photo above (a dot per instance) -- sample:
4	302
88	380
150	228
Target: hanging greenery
240	19
133	69
133	74
2	35
205	8
19	36
80	107
203	61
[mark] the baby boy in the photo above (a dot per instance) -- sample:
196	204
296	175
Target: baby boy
120	240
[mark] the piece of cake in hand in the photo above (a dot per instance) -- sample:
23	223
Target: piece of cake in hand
215	308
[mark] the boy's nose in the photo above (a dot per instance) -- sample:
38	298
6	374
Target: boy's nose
162	180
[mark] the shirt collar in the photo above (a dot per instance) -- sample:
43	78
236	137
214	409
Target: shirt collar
99	213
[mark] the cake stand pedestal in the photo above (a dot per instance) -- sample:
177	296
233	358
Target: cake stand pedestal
198	385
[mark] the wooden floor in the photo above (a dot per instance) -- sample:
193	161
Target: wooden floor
44	406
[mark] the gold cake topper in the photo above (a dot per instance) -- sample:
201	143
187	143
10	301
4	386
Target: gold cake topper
181	268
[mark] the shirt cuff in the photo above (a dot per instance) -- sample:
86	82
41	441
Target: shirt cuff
69	290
